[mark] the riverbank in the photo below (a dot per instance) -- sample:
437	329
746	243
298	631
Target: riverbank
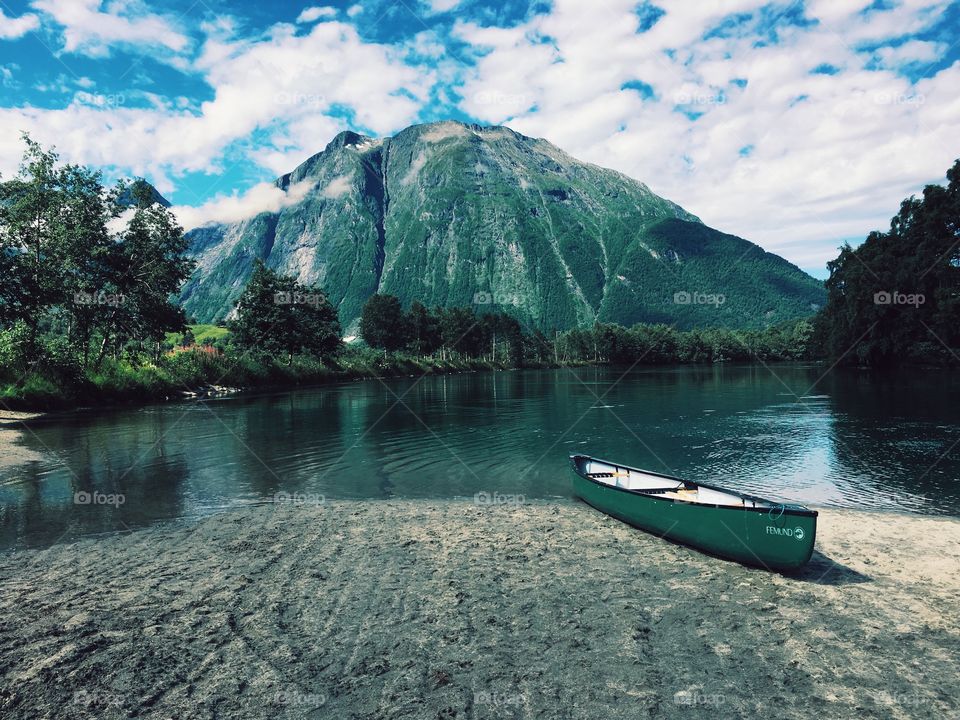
202	374
447	609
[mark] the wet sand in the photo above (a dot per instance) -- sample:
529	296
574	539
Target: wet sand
12	450
451	610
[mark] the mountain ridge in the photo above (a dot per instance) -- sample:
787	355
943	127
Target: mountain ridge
454	214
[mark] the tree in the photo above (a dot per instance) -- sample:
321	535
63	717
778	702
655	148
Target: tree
423	327
383	324
64	269
278	316
149	265
461	331
52	229
503	336
538	348
896	298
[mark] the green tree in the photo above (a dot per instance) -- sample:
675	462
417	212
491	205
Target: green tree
149	265
461	332
896	298
52	234
66	273
383	324
504	338
278	316
423	327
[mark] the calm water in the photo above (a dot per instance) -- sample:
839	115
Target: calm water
849	440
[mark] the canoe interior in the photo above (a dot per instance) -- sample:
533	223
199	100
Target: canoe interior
665	486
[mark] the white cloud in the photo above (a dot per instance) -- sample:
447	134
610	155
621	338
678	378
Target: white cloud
441	6
265	197
89	30
312	14
7	75
12	28
816	161
282	84
792	160
910	52
338	187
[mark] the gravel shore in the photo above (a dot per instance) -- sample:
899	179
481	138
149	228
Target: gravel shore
446	609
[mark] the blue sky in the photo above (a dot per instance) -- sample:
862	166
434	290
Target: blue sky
798	125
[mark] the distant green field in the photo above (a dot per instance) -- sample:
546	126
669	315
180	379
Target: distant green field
201	334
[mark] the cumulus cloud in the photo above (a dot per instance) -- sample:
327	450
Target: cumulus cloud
282	84
441	6
261	198
89	30
312	14
774	122
12	28
910	52
737	128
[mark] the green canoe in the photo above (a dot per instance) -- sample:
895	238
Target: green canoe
751	530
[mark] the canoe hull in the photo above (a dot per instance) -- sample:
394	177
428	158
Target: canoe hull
771	540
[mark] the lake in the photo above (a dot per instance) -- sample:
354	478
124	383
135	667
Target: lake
840	438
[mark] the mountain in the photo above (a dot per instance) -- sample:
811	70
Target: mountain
453	214
127	198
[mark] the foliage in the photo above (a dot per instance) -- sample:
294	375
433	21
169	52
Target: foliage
277	315
896	298
423	327
660	344
203	334
68	272
383	324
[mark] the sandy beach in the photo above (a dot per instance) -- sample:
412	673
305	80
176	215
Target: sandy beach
12	450
451	610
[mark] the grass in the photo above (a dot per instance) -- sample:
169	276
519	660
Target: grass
202	333
188	373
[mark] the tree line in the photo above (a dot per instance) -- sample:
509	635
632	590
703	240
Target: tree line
498	337
87	272
895	299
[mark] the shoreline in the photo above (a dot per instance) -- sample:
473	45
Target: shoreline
13	413
18	417
11	408
417	608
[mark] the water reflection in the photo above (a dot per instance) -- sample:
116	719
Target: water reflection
848	439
